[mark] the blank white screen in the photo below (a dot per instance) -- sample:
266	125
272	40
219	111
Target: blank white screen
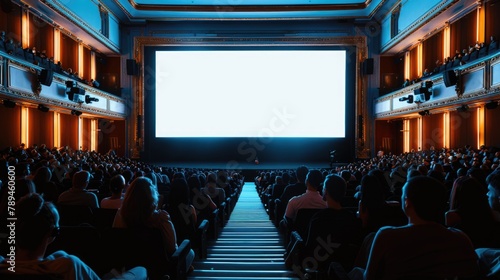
250	93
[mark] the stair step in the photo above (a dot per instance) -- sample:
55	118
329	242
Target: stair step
248	246
233	265
241	273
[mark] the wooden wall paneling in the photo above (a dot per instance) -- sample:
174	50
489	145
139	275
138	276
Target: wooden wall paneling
11	125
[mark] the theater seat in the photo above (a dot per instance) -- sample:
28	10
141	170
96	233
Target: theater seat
125	247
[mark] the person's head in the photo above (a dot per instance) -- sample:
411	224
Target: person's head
314	179
81	179
424	198
179	192
37	223
23	187
494	192
116	184
469	199
301	173
372	192
140	202
334	187
346	175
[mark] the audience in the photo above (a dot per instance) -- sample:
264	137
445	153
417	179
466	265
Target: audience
116	186
311	199
140	210
424	248
77	194
37	226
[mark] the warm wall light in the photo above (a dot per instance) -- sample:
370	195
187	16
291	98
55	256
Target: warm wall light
446	129
25	26
25	126
57	45
57	129
480	127
80	60
93	135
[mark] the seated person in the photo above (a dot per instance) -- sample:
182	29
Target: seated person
116	185
10	47
471	213
312	199
494	194
37	226
493	44
140	210
77	194
334	225
424	248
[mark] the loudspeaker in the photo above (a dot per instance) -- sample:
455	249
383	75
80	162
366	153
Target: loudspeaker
45	77
132	67
449	78
368	66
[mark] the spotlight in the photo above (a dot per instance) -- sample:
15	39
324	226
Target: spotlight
43	108
89	99
76	113
463	108
491	105
9	103
408	99
424	113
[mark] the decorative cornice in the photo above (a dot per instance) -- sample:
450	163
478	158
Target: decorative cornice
73	18
248	8
430	15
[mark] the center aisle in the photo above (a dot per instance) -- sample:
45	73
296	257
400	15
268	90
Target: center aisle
248	247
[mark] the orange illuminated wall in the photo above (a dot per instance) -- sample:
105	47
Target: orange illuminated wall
432	131
41	127
11	125
491	131
111	135
414	136
69	131
389	136
86	134
463	128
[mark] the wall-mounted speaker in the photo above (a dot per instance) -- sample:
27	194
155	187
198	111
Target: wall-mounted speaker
367	66
449	78
45	77
132	67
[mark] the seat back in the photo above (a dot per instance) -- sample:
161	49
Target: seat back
74	215
81	241
126	247
103	218
302	220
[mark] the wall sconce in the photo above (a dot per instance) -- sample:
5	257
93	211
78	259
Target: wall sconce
491	105
463	108
424	113
43	108
9	104
76	113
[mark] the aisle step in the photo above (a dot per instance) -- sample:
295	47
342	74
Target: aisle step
248	247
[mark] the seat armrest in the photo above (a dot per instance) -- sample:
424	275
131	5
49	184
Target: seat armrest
179	261
201	239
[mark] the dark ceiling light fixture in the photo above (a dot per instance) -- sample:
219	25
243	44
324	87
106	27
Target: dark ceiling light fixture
424	113
43	108
463	108
9	103
89	99
491	105
76	113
